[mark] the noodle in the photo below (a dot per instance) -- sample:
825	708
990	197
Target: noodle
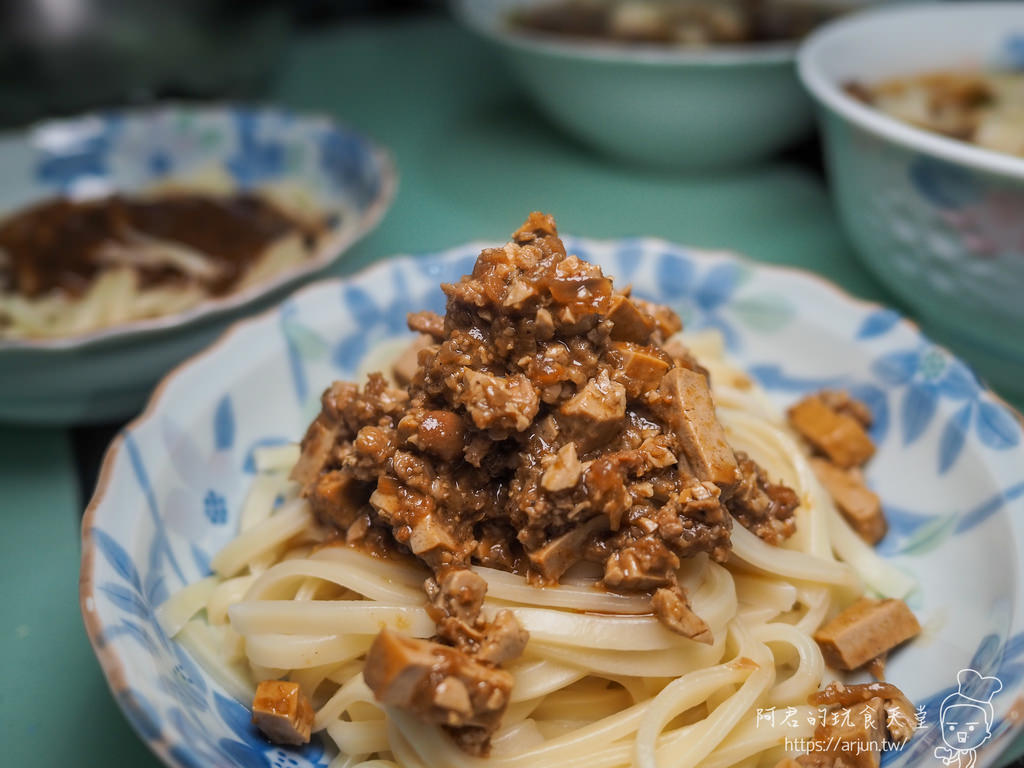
119	293
602	683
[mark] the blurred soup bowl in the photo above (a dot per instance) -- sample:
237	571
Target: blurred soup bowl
939	221
655	105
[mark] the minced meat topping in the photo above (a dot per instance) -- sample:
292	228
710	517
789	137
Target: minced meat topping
545	424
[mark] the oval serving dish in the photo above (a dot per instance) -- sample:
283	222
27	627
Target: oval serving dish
948	470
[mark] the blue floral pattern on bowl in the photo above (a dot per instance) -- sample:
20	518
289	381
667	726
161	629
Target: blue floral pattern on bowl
254	145
948	469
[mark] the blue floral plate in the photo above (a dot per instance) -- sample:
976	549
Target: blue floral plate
950	469
108	374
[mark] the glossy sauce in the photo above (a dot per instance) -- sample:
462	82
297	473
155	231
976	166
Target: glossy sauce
56	244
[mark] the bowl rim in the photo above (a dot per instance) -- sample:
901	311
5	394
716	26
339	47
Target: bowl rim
828	93
642	54
110	661
326	252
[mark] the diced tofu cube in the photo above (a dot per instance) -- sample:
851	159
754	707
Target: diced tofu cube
859	504
562	552
837	435
641	369
595	414
629	323
689	410
282	712
864	631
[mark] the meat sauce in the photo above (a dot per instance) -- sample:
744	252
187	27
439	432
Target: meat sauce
58	244
545	424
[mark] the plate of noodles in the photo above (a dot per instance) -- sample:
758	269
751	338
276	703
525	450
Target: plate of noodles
130	239
492	507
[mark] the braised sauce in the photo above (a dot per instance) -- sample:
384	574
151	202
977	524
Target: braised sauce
57	244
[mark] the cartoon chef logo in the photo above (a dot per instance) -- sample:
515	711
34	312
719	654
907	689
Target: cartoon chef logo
966	718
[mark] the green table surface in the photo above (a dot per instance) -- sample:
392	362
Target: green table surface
474	158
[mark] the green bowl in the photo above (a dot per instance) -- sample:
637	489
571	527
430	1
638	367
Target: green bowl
660	107
938	221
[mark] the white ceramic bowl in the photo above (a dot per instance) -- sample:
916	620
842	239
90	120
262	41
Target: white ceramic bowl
948	470
940	222
108	374
648	104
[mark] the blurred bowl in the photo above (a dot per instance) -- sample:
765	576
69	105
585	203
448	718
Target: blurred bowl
655	105
84	54
939	221
107	374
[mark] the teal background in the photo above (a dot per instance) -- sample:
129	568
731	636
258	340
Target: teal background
474	158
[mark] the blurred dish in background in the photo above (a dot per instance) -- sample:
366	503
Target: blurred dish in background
984	108
663	106
676	22
317	172
937	219
69	267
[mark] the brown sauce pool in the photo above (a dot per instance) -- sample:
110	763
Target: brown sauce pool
57	244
